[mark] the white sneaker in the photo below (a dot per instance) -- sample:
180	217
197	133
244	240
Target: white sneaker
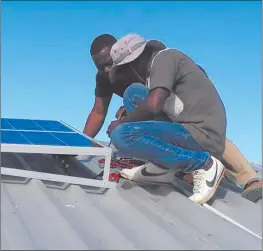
149	173
206	182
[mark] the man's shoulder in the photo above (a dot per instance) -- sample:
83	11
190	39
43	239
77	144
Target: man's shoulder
171	53
177	60
100	77
167	56
103	87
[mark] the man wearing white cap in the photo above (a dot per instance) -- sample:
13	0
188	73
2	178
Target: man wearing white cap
132	88
193	141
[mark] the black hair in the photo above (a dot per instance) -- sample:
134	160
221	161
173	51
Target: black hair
102	41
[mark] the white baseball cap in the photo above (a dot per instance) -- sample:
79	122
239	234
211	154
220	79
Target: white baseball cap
128	48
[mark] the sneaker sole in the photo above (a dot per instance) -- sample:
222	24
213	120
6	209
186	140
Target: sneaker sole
253	195
214	190
145	182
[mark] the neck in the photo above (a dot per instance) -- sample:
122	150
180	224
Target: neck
142	64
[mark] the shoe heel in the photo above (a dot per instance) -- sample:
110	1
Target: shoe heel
215	188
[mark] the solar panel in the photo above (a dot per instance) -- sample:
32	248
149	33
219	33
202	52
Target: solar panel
42	132
33	125
51	137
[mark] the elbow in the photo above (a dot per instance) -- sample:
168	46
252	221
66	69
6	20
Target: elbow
97	115
99	111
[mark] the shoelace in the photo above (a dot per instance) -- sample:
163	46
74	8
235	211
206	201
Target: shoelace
198	180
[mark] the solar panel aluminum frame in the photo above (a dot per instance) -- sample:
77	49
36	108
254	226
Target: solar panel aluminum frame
61	150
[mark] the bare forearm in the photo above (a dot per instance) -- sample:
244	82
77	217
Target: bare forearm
151	107
93	124
141	113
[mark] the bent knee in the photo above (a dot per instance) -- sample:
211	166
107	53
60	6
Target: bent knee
117	136
135	89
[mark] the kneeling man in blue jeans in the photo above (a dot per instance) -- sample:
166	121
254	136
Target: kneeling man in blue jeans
175	117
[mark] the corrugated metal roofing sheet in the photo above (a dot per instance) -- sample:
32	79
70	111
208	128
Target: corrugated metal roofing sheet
40	215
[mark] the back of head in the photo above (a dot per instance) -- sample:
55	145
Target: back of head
101	42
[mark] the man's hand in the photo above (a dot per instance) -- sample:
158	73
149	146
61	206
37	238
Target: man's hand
112	125
120	113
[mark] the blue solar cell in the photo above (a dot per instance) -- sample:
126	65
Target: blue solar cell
35	132
50	125
5	124
13	137
24	124
42	138
75	139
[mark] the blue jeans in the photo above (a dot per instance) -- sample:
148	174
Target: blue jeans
166	144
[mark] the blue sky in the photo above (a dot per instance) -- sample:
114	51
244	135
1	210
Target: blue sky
47	71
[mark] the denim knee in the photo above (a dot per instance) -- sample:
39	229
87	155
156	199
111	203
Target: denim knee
134	95
135	88
117	136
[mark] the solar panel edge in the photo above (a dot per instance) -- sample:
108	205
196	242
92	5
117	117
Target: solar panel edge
62	134
36	124
8	118
45	138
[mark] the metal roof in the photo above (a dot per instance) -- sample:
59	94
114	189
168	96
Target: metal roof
47	215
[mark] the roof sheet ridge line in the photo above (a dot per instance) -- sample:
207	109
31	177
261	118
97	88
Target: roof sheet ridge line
230	220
